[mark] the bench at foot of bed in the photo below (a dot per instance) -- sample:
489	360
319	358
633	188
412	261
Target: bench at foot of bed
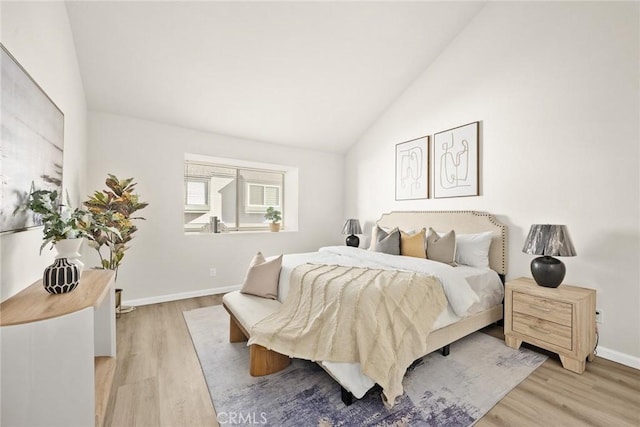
262	361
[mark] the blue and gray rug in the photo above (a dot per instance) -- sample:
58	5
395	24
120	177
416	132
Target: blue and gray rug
439	391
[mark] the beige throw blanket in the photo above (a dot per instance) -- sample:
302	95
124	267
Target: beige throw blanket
379	318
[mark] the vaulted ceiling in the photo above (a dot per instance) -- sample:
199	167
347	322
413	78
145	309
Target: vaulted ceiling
308	74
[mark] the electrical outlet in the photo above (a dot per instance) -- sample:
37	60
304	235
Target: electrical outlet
212	272
599	316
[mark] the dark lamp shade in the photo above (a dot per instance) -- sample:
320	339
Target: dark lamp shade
549	240
352	226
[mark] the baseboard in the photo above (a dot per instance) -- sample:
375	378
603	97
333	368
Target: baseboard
183	295
616	356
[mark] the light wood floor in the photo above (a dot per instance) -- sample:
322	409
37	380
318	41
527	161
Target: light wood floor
158	381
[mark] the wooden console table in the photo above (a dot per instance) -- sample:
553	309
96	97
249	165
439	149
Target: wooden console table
59	353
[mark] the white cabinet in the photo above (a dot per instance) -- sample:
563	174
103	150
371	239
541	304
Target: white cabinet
58	354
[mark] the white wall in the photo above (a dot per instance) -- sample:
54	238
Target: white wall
556	88
38	35
162	259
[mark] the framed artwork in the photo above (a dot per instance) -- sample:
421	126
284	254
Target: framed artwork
456	162
412	169
31	143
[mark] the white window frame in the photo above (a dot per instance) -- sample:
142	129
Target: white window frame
288	191
251	208
191	207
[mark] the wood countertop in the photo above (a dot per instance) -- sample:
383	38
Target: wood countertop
34	304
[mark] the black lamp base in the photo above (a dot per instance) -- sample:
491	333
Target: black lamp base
548	271
353	240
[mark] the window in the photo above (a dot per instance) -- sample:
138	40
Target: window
261	196
196	195
237	195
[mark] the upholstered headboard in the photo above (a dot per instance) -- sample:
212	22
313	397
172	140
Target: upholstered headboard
463	222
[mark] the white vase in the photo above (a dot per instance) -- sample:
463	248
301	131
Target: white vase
70	249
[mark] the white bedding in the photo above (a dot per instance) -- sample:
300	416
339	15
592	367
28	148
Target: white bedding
458	291
468	289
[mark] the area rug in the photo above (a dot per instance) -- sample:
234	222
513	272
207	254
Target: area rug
456	390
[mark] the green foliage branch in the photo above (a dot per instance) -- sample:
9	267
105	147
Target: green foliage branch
59	221
272	215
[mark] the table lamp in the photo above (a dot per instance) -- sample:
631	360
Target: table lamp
548	240
352	227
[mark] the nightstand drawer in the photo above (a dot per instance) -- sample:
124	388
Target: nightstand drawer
543	308
543	330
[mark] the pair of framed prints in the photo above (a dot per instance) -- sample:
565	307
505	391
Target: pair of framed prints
454	161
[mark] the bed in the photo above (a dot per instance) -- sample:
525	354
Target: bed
450	324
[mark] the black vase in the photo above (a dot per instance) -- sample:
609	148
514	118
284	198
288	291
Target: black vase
353	241
548	271
60	277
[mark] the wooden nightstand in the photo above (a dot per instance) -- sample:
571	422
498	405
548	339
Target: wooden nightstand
562	320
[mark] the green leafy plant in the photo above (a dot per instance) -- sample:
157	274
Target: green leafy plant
113	229
60	221
272	215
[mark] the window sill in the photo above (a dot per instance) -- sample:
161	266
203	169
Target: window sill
236	233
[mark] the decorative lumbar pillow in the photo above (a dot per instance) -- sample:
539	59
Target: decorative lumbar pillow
262	277
388	243
413	244
441	248
473	249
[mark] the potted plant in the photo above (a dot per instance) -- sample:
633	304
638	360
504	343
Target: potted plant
111	211
64	228
60	221
274	217
112	227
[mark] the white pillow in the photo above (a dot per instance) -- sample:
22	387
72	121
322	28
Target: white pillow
473	249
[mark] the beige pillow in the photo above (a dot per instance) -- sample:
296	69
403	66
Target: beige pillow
441	248
262	277
413	244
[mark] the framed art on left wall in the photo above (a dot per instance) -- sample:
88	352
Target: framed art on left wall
412	169
31	143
